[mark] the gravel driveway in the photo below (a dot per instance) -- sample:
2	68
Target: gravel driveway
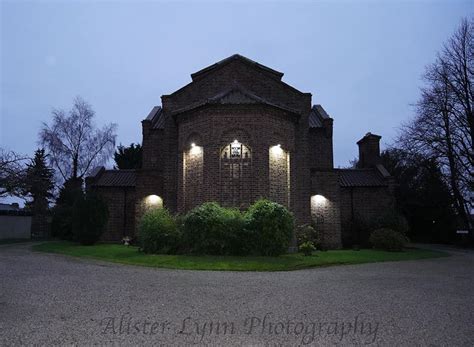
52	299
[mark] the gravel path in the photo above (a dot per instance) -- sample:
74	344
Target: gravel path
52	299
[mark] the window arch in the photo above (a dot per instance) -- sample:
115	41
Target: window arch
235	151
235	174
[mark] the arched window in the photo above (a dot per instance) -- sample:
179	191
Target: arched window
235	151
235	174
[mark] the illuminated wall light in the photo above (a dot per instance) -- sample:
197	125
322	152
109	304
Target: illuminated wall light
318	199
276	150
195	149
154	201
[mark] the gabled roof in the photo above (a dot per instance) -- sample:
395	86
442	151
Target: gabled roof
115	178
156	118
211	70
317	116
235	95
361	178
267	70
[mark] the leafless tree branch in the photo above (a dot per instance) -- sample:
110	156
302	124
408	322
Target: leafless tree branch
74	143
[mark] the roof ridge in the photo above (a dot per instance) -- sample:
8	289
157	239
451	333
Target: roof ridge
155	109
317	116
234	57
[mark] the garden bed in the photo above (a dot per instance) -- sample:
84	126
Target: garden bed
130	255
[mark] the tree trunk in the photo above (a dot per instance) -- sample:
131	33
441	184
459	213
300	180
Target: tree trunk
74	166
453	177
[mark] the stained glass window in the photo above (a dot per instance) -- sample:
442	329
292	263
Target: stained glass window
235	175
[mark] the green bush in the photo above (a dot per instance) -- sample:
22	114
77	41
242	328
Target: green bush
212	229
90	216
306	233
237	236
307	248
266	229
388	240
157	232
271	227
62	221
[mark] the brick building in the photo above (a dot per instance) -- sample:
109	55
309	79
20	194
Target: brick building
237	132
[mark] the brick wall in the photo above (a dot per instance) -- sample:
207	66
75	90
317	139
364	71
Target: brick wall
279	165
321	148
369	151
325	207
121	207
256	126
193	177
368	203
150	179
241	74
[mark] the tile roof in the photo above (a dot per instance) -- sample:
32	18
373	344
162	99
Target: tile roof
156	118
116	178
361	178
316	116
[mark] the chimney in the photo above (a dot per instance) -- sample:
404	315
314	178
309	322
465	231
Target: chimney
369	151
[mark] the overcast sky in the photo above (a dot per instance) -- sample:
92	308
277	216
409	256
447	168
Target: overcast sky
361	60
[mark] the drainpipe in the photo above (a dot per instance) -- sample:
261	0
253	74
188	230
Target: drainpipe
124	211
356	245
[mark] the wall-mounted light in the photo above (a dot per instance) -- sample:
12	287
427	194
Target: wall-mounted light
276	150
195	149
318	199
154	201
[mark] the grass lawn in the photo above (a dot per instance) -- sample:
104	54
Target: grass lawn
130	255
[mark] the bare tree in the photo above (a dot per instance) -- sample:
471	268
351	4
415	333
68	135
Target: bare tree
443	126
12	170
74	144
457	68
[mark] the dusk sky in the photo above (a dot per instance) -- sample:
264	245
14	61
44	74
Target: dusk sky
362	61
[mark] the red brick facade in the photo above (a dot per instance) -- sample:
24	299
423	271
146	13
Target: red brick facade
234	134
